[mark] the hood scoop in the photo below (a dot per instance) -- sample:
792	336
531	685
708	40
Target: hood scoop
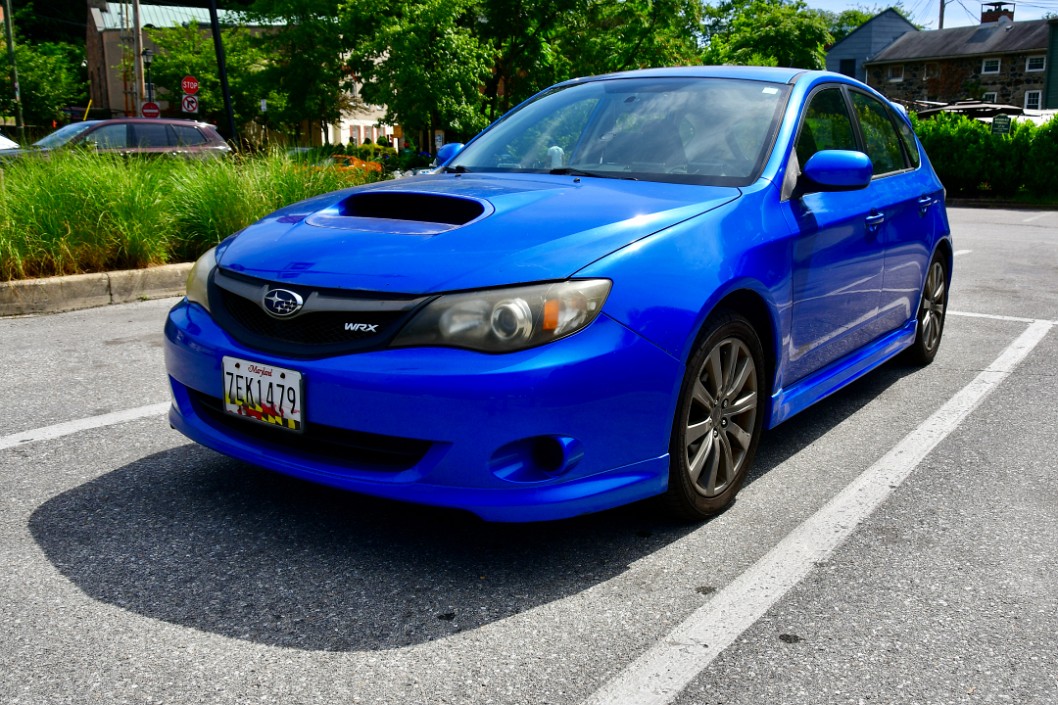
401	213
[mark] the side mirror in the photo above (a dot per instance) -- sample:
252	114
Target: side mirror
836	170
447	152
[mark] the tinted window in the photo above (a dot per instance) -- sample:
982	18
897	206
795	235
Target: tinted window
879	134
151	135
187	136
909	142
827	125
108	137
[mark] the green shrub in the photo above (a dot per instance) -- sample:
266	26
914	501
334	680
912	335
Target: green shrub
971	160
1041	174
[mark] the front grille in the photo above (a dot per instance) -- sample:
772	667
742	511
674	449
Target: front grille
331	321
322	328
337	446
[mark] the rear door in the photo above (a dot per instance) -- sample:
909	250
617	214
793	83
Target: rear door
900	194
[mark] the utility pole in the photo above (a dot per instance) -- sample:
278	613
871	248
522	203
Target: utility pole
940	22
9	19
137	58
222	69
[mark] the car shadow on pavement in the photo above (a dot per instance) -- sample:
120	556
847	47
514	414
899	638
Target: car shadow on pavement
199	540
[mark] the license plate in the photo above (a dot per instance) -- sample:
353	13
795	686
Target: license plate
263	393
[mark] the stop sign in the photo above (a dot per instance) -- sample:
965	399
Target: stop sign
190	85
150	110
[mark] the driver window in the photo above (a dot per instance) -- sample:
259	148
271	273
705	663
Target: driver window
827	125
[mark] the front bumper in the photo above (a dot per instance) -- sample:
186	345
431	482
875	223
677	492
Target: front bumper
573	427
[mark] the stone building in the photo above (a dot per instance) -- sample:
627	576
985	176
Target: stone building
998	61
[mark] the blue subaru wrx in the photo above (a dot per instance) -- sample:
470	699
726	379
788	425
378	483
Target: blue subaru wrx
605	296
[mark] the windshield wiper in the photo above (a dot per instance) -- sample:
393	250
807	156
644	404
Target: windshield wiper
570	171
455	169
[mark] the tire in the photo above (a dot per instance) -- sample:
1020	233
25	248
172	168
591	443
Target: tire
718	421
931	309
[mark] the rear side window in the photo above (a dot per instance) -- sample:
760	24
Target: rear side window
827	125
910	144
151	135
109	137
187	136
879	135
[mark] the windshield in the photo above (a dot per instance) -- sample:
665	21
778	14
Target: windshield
64	135
682	130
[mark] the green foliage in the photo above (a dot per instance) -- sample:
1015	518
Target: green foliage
50	78
769	32
85	212
306	76
419	60
1041	174
189	51
970	160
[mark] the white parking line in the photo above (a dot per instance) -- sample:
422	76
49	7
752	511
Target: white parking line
1034	218
961	252
996	317
663	671
69	427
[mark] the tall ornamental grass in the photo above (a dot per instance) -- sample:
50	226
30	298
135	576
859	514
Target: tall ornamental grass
81	212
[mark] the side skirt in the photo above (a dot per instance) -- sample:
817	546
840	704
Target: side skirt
805	392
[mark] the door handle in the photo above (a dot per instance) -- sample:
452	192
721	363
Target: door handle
923	204
874	220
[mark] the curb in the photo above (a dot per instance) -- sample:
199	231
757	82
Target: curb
70	293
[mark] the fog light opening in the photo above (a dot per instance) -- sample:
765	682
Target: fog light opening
548	454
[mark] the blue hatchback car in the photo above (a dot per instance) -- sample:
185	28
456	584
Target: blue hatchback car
606	296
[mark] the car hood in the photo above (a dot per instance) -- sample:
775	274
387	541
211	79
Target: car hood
448	232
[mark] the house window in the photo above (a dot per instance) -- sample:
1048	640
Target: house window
848	67
1032	100
931	70
896	73
989	97
1036	63
990	66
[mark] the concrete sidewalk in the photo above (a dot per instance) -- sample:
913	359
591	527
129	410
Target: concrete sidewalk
55	294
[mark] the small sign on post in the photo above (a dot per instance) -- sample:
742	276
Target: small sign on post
189	104
1001	125
189	85
150	110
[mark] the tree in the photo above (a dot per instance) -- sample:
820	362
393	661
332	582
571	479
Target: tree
189	50
619	35
768	32
306	75
50	78
419	60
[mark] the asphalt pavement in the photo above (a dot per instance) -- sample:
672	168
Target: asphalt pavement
137	567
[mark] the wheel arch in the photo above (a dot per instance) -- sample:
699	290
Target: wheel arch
755	308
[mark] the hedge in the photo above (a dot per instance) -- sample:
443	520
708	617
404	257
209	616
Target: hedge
972	161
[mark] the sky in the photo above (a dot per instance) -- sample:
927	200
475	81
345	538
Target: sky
957	13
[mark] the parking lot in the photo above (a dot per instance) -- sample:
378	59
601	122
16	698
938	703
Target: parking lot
897	543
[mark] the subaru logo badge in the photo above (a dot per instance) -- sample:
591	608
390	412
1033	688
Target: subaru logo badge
282	303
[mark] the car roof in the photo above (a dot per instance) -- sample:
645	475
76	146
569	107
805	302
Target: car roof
759	73
137	120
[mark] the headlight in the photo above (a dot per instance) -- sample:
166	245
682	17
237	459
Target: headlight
502	320
198	279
